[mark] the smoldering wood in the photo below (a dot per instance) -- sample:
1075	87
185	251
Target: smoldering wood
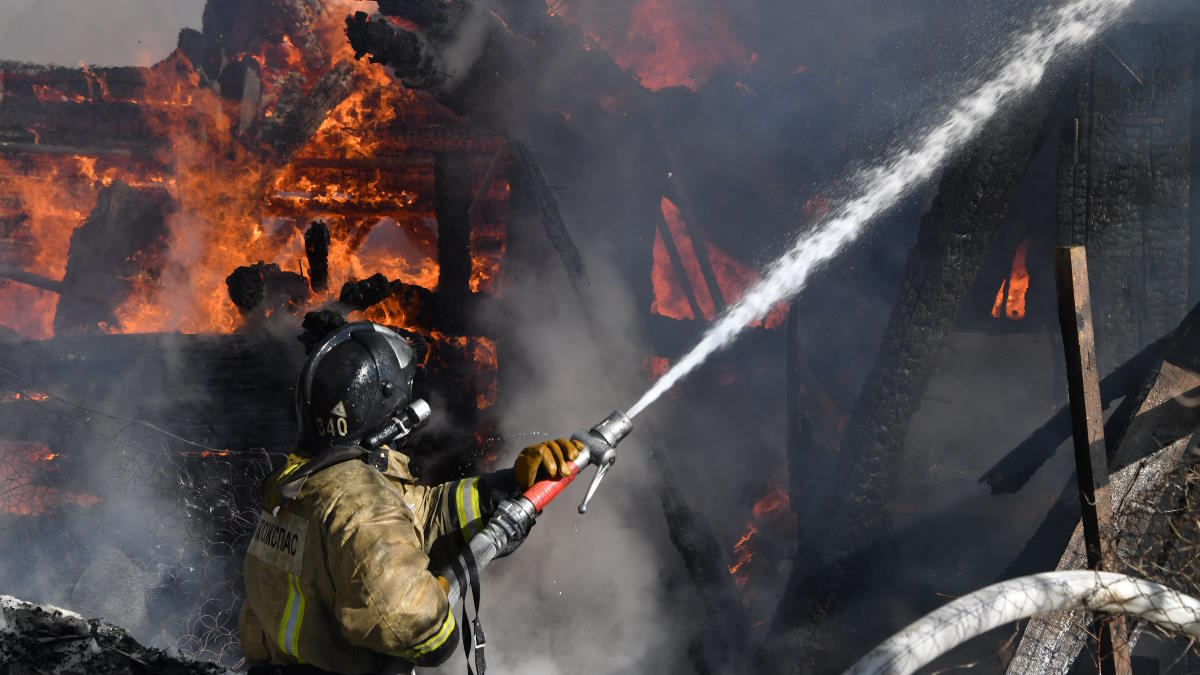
299	111
953	238
264	287
1124	182
30	279
551	217
316	251
723	645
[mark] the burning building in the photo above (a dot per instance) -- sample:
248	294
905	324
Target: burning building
462	174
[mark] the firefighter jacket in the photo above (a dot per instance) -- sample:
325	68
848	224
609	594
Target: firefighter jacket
339	578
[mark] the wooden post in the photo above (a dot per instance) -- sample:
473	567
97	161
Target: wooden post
1087	423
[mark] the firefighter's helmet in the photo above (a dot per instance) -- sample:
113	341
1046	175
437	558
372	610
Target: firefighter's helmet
354	381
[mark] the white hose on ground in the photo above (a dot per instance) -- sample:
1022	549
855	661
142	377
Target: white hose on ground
971	615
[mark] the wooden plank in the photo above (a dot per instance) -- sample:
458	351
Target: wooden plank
1052	642
1087	418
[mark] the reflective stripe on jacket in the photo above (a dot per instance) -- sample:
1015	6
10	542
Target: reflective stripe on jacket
340	577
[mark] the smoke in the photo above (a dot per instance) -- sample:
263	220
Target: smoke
832	85
878	189
66	33
593	592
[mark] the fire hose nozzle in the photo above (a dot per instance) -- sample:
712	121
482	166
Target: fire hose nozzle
601	443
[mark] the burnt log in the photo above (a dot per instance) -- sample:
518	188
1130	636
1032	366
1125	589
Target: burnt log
299	111
362	294
1124	178
954	236
452	201
264	284
723	644
123	238
316	250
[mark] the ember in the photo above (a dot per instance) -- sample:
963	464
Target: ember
23	488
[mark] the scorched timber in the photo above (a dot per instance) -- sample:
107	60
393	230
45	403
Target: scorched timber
1124	179
1149	454
953	239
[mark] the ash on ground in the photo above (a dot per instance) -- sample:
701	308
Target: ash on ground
47	640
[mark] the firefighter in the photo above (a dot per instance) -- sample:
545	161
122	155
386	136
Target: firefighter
338	571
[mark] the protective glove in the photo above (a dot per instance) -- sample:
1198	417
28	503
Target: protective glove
546	460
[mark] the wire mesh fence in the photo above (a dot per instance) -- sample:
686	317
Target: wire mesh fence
117	519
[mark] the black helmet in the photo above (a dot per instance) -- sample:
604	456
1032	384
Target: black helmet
354	381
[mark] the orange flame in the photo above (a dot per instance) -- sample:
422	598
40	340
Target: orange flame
669	43
237	207
20	493
768	508
1010	299
742	551
732	277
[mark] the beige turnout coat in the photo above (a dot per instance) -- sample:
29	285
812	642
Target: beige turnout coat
340	577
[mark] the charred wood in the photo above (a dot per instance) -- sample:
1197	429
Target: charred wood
316	325
452	201
47	639
722	646
226	392
408	54
954	236
316	250
299	111
1051	643
123	238
30	279
552	220
267	285
362	294
1123	184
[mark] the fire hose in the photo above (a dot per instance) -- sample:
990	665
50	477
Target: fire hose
514	517
971	615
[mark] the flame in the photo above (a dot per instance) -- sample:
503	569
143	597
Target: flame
668	43
733	278
767	509
20	492
236	207
486	362
655	366
771	505
742	551
1010	299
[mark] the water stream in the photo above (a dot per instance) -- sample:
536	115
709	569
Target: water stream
873	191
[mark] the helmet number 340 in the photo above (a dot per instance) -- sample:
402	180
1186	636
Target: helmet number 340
335	424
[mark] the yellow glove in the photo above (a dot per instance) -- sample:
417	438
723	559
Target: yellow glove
545	460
